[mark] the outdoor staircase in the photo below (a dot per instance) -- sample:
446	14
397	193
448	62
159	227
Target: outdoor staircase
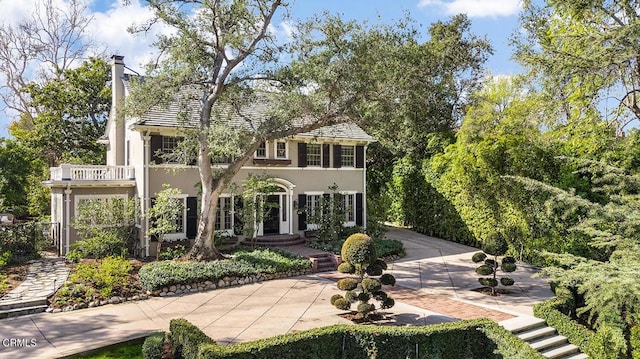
543	338
12	309
325	262
276	240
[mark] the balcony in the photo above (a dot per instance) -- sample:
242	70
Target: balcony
67	172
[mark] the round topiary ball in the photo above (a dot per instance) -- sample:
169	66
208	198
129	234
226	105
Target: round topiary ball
346	267
490	263
359	249
381	263
508	267
351	296
364	297
387	303
365	308
478	257
374	270
484	270
342	304
335	297
371	285
508	259
488	282
380	296
495	245
347	284
506	281
387	279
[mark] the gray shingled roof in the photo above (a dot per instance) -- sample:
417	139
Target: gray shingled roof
250	115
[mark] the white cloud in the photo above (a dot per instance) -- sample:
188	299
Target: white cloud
475	8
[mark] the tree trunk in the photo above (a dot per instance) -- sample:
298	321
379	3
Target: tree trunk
203	247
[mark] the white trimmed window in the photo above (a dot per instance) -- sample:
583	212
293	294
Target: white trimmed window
313	208
261	152
224	214
348	156
282	150
314	155
349	208
181	229
94	215
169	144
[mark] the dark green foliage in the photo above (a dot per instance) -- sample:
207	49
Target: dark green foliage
374	269
387	303
484	270
105	244
488	282
478	257
342	304
364	296
351	296
387	279
359	250
22	242
506	281
371	285
335	297
495	245
152	346
156	275
508	259
490	263
347	284
379	295
346	267
384	247
465	339
187	338
635	341
508	267
365	308
381	263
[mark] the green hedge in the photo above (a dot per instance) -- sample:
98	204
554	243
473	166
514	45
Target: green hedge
479	338
384	247
553	312
156	275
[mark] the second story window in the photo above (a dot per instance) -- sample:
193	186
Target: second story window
281	150
314	155
169	144
348	156
261	152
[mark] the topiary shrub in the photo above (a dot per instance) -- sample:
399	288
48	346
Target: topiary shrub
335	297
495	245
346	268
359	258
152	346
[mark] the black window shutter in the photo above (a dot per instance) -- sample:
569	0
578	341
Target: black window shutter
326	208
337	156
359	156
192	217
359	219
302	214
325	156
153	237
156	146
302	154
237	215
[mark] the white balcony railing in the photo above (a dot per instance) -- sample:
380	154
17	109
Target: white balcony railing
91	173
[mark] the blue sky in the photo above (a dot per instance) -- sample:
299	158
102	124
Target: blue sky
495	19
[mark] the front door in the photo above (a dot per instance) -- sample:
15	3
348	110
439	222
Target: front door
271	220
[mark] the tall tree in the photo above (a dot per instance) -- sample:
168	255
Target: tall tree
72	113
224	57
39	48
586	55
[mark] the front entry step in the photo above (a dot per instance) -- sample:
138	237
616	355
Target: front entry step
276	240
543	338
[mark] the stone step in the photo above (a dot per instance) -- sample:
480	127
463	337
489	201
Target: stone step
561	352
536	333
577	356
522	324
17	304
548	343
17	312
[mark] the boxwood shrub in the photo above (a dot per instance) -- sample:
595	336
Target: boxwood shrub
156	275
480	338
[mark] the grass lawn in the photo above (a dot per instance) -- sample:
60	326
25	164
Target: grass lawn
130	350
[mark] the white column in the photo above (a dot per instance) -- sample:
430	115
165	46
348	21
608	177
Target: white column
364	190
67	219
147	201
290	211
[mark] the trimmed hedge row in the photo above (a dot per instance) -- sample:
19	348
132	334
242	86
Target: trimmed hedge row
553	312
156	275
480	338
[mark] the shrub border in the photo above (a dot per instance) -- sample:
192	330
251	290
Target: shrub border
364	340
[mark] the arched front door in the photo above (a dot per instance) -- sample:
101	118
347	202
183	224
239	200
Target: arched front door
277	210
